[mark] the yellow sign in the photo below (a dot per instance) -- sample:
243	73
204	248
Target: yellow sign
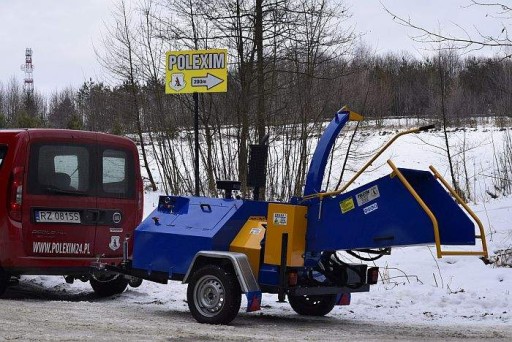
347	205
196	71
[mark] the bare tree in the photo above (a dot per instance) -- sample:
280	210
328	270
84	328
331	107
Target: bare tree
467	40
119	57
446	65
13	97
318	42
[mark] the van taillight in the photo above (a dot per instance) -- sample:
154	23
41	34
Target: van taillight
140	191
16	193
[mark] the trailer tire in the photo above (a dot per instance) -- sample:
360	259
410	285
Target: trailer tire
134	282
106	285
214	295
312	305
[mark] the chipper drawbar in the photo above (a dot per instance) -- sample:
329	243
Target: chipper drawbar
223	247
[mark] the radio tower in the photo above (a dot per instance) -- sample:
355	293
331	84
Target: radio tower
28	86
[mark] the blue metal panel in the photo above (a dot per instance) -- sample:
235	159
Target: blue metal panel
393	218
455	227
168	239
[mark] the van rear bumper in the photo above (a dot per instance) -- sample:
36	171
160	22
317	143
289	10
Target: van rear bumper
54	266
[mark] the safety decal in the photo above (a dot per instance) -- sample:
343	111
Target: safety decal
347	205
368	195
280	219
370	208
255	231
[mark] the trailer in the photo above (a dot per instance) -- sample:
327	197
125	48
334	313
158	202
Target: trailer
225	247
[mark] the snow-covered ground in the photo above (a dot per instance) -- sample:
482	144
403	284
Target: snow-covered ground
418	288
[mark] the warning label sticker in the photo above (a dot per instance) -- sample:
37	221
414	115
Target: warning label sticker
255	231
347	205
368	195
280	219
370	208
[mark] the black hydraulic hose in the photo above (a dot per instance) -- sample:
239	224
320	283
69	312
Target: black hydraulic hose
355	255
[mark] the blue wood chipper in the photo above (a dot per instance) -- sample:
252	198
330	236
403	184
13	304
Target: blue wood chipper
223	247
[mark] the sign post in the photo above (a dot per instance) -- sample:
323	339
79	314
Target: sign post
196	71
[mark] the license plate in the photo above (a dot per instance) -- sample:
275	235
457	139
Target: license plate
51	216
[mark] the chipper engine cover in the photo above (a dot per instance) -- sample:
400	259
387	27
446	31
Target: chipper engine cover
169	238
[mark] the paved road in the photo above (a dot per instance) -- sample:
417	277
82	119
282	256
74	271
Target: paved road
35	314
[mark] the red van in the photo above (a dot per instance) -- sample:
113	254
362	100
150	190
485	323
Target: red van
67	200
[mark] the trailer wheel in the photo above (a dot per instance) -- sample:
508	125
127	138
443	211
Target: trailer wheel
108	284
213	295
134	282
312	305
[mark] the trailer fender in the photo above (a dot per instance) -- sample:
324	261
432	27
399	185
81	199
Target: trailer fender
241	268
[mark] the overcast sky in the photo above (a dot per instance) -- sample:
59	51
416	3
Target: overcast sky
62	33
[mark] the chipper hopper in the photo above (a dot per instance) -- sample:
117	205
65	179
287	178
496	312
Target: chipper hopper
223	247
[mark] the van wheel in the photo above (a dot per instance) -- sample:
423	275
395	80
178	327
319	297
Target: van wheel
108	284
214	295
4	281
312	305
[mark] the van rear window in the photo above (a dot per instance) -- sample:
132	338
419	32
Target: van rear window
3	153
59	168
117	174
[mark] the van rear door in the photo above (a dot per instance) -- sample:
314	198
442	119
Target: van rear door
59	205
118	195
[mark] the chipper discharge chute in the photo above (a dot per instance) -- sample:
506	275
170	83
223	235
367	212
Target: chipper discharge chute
223	247
407	207
387	213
